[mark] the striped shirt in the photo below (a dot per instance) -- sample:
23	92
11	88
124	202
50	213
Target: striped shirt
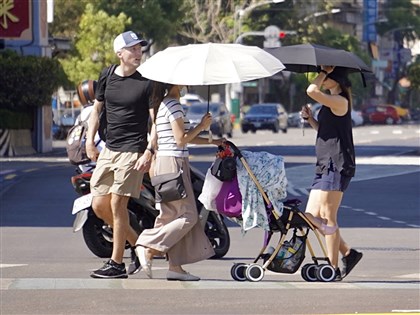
169	110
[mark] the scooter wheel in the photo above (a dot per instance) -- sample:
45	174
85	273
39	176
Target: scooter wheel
308	272
238	271
254	273
325	273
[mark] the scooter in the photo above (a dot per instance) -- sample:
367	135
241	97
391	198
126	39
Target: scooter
142	213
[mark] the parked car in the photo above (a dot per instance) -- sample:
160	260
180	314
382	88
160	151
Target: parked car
271	116
189	99
356	116
415	114
403	113
222	122
294	119
381	114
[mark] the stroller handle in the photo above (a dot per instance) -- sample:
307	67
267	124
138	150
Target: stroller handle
235	148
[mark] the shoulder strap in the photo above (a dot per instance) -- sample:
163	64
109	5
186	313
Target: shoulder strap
110	71
102	117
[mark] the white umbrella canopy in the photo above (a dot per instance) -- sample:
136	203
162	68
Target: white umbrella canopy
210	64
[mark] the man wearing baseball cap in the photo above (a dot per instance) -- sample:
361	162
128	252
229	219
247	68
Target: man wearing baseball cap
127	154
127	39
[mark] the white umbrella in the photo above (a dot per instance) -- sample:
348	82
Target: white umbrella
211	63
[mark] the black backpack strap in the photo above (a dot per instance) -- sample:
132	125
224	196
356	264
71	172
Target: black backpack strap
110	71
102	117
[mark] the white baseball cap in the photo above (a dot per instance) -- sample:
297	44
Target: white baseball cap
127	39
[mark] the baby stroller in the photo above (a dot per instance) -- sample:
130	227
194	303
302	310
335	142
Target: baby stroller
289	254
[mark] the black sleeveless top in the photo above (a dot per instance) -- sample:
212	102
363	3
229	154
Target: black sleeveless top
334	142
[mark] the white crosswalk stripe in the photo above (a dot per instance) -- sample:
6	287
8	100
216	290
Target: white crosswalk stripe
158	284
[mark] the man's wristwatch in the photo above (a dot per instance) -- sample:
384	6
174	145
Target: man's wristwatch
151	150
323	71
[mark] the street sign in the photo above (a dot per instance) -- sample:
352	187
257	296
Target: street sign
15	20
380	63
271	34
250	84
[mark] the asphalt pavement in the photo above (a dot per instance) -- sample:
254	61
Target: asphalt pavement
45	269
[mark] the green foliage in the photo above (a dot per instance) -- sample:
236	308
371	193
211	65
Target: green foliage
28	81
403	16
158	21
67	15
15	120
414	75
94	44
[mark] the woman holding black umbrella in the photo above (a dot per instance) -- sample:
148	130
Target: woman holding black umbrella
335	164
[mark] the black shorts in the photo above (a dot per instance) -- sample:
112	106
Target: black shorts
332	181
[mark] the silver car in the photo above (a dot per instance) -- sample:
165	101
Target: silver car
222	119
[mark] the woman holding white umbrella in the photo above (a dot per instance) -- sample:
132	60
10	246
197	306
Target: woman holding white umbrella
177	231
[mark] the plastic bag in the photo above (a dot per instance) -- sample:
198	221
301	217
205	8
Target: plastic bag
211	189
229	199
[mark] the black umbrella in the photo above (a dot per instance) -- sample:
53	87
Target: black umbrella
308	57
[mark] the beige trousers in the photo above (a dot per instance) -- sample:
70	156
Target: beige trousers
177	231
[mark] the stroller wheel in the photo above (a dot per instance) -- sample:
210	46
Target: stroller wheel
303	272
308	272
325	273
254	273
238	271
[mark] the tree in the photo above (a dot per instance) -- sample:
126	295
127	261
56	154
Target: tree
404	26
413	94
414	74
67	15
209	21
298	16
94	44
157	21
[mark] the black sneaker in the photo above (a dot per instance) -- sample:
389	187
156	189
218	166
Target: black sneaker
110	270
338	276
350	261
135	265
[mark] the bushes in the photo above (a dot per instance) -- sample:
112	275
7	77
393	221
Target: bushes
15	120
28	81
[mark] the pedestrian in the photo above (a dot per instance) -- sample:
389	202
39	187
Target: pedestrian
177	231
124	160
335	164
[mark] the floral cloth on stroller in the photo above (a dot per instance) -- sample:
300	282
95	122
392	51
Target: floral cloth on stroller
271	174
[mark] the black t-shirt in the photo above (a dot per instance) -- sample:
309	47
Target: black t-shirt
128	100
334	142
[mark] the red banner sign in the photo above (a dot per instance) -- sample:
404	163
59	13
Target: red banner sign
15	19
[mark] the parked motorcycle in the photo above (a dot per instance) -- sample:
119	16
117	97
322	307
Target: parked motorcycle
142	213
